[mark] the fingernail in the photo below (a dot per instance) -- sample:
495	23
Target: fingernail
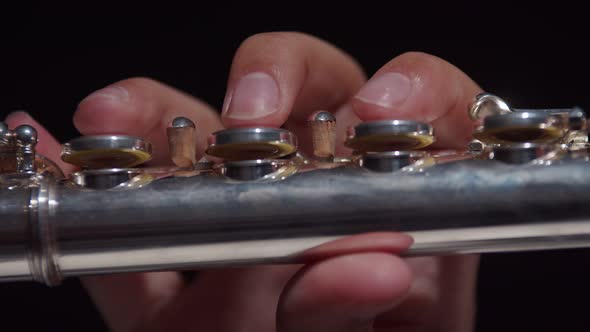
255	95
387	90
113	93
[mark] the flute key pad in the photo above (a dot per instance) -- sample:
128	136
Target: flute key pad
390	135
106	151
251	144
522	127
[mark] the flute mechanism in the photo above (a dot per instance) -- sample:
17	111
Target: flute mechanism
522	183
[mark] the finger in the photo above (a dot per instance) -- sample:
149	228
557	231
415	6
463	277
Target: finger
418	86
457	285
47	145
343	294
140	107
389	242
144	107
281	75
226	300
247	298
442	296
122	299
127	300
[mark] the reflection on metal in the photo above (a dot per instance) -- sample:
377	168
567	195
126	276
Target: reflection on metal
251	143
389	161
389	135
106	151
267	203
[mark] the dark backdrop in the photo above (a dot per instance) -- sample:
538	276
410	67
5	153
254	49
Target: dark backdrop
533	56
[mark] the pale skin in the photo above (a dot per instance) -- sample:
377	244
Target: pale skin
279	79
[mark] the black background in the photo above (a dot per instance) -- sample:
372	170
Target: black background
531	55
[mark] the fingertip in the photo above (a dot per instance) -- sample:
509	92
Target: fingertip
256	97
114	109
422	87
284	76
353	288
405	88
274	120
17	117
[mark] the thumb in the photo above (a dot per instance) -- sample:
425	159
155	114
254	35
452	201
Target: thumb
343	294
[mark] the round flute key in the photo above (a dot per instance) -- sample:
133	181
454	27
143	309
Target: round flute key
390	161
251	143
389	135
521	127
106	151
520	153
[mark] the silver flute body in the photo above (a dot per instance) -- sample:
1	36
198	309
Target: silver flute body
51	229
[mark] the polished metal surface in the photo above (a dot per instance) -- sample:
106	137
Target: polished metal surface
15	195
389	161
389	135
18	154
486	104
5	135
322	116
251	143
247	170
104	178
475	146
387	127
200	221
577	119
43	261
25	138
576	116
521	153
85	143
488	197
576	140
522	127
523	119
106	151
252	135
182	122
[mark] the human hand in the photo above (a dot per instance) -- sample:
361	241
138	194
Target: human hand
276	79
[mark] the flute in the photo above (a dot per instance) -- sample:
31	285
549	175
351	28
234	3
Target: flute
522	184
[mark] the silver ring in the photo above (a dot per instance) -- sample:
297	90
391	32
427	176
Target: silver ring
106	151
85	143
390	127
249	170
523	119
389	135
252	135
251	143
